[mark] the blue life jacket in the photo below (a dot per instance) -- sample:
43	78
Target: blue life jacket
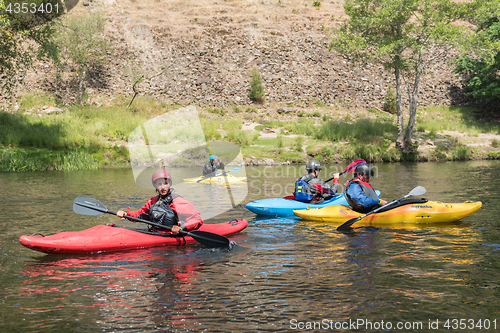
302	190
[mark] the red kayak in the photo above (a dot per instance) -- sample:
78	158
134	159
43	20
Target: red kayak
107	238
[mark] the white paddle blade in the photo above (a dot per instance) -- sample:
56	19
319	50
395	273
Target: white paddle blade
419	190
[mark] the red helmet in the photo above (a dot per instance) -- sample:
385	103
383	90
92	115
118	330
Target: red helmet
161	174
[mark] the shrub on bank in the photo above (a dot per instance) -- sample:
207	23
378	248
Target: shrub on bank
362	130
256	92
18	159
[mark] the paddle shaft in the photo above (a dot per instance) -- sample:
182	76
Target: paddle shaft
107	211
416	191
148	222
349	168
215	174
326	181
206	238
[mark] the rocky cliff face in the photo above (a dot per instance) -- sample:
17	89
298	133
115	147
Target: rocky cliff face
209	48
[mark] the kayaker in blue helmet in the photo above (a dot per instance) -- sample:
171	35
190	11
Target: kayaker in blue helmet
359	193
167	208
310	188
213	165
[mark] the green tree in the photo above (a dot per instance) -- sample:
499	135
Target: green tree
23	38
256	89
399	34
484	82
83	45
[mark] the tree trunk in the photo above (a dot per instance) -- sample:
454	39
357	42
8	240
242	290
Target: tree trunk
400	143
81	84
134	87
413	97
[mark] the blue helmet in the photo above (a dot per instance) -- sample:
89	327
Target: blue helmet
213	157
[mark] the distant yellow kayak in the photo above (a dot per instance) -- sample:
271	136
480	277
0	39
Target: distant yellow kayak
216	179
420	212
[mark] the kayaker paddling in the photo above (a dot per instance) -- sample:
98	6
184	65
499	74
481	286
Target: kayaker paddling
212	166
167	208
359	193
310	188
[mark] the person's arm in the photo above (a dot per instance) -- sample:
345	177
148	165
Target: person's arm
141	213
188	215
324	188
207	168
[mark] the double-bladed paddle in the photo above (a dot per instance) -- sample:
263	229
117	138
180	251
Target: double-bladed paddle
90	206
215	174
419	190
349	168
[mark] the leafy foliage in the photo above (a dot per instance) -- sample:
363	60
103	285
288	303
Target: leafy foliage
21	42
484	81
83	45
399	34
256	89
390	100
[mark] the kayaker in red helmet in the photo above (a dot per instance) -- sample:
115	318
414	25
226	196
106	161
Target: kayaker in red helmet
167	208
359	193
310	188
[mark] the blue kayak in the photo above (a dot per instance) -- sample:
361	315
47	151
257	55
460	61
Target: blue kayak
286	206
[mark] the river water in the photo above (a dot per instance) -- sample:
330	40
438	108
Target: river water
284	275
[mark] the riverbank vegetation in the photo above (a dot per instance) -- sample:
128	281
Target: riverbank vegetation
95	136
399	35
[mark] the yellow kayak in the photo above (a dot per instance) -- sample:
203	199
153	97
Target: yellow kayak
216	179
416	212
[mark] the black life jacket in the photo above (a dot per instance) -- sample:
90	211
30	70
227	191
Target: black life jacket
161	213
367	190
302	190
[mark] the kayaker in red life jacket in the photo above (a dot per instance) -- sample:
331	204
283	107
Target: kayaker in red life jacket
359	193
213	165
167	208
310	188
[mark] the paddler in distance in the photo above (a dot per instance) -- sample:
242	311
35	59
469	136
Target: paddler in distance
167	208
213	165
359	193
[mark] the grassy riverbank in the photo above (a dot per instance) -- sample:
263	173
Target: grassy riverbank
95	136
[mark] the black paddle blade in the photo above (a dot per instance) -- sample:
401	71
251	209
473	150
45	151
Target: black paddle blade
346	225
88	206
209	239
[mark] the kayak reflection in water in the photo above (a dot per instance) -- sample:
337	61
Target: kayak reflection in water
310	188
359	193
167	207
212	165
